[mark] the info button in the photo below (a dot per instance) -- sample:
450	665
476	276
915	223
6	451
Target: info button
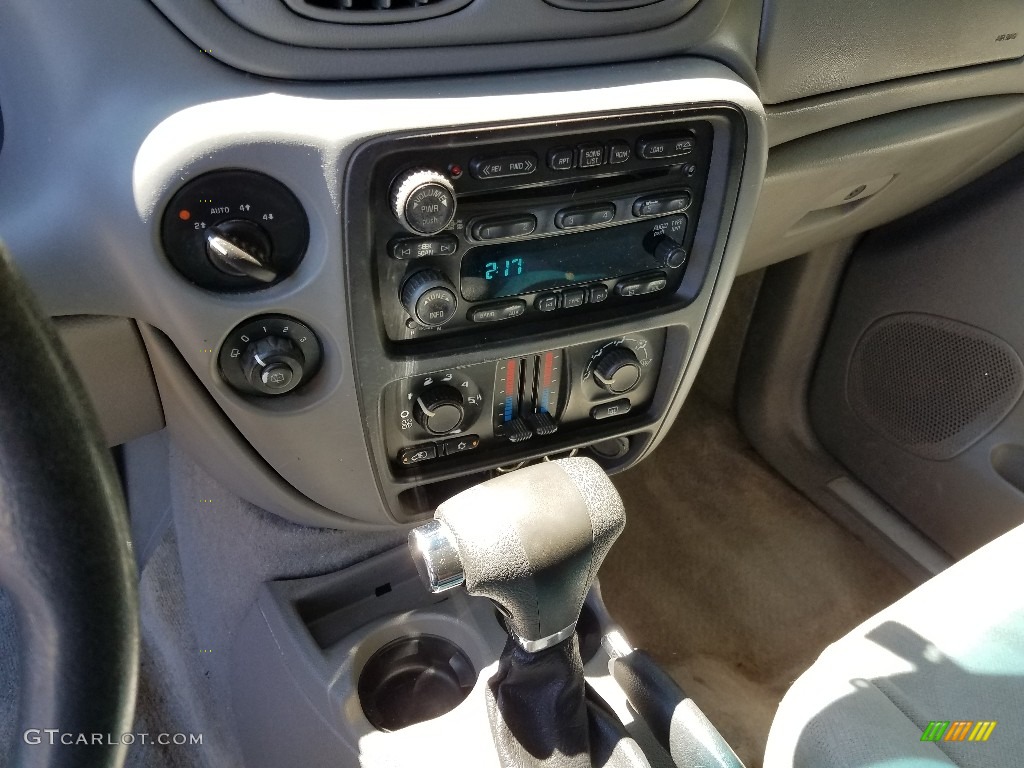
504	310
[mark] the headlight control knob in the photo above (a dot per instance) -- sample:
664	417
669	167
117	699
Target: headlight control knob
429	297
439	409
269	355
423	201
618	370
242	249
274	365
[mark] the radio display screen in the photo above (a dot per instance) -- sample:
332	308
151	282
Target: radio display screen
512	269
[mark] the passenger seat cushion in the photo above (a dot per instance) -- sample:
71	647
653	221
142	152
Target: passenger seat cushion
951	650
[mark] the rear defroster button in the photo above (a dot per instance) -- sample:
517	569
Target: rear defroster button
618	407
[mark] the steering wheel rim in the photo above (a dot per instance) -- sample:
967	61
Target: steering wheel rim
65	550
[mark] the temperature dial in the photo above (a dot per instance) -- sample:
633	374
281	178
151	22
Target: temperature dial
617	370
439	409
423	201
269	355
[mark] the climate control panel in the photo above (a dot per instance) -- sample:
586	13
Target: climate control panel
501	407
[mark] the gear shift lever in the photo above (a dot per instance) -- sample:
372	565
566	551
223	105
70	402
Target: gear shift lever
531	541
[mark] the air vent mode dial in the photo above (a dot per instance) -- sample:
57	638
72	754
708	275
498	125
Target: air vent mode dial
423	201
617	370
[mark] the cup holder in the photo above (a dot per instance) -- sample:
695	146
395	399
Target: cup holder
412	680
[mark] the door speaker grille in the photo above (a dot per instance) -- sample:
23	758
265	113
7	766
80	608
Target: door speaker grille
932	385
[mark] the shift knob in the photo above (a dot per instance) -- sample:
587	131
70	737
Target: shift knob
531	541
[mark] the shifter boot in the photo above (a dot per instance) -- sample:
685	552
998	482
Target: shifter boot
537	707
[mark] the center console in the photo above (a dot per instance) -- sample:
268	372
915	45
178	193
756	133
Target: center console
380	299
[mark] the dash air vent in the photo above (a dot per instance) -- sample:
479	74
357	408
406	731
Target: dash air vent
599	5
374	11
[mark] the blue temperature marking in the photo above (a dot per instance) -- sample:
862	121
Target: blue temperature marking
508	408
545	398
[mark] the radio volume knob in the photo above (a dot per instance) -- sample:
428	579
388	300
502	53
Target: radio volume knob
423	201
429	297
617	370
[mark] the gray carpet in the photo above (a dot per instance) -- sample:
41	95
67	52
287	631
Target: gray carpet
731	578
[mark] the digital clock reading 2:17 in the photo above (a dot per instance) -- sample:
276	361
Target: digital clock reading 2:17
503	268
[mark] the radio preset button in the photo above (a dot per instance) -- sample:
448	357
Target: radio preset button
504	310
665	146
547	302
590	155
570	218
641	285
506	226
655	284
560	159
522	164
419	247
618	152
653	205
573	298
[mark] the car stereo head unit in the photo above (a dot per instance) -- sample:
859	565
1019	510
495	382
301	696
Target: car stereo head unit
470	230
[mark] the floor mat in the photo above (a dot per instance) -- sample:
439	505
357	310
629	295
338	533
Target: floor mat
730	578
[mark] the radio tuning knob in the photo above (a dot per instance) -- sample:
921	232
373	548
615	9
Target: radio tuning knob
423	201
618	370
429	297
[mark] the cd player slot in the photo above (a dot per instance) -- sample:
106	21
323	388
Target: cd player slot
572	190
